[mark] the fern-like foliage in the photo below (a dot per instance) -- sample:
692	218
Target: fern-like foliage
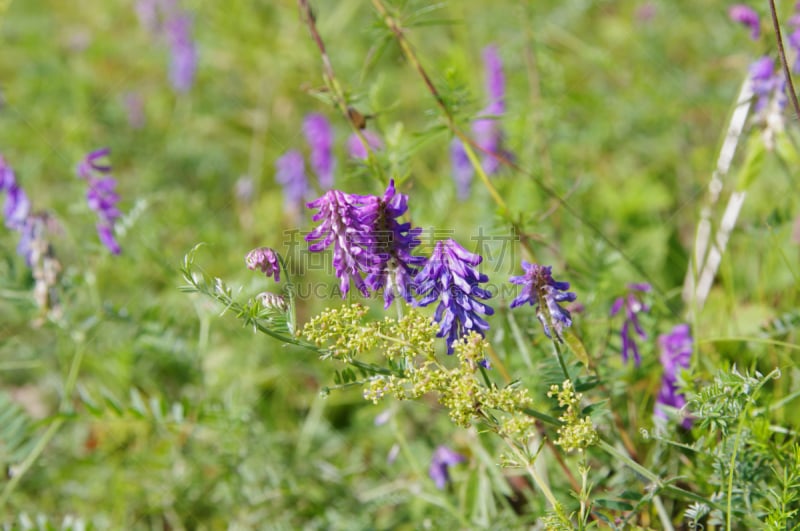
16	431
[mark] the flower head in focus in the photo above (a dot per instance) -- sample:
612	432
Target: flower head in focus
676	352
443	458
633	305
392	244
538	285
265	259
101	195
450	277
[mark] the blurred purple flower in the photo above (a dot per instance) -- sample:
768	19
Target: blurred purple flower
101	195
16	210
449	275
537	285
291	174
347	224
355	147
147	11
747	16
319	135
443	458
676	352
462	169
486	129
633	305
767	83
266	260
183	60
392	243
135	107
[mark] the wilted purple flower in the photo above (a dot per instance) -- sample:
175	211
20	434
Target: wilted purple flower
462	169
101	195
537	285
676	351
347	224
266	260
291	174
320	137
450	275
633	305
767	83
391	244
746	15
355	147
443	458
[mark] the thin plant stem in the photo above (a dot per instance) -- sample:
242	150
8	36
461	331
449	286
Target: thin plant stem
782	52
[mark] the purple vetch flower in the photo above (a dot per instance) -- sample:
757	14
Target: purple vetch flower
462	169
676	352
347	224
449	276
768	84
537	285
16	210
101	196
486	129
183	56
355	147
319	135
392	243
633	305
266	260
747	16
443	458
290	172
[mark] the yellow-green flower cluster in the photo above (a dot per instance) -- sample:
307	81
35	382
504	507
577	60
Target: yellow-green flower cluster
576	433
459	390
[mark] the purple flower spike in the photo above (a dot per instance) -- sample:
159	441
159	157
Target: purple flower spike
443	458
450	274
462	169
747	16
290	172
101	195
538	285
266	260
320	137
392	244
347	224
676	352
355	147
495	80
183	60
633	305
17	207
767	83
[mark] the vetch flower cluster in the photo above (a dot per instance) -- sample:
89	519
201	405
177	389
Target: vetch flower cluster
539	286
319	134
266	260
101	195
17	211
166	18
450	277
633	305
290	172
371	247
486	128
676	352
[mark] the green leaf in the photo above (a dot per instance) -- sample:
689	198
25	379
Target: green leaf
753	163
577	348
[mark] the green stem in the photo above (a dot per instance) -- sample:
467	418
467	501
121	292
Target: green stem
548	494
